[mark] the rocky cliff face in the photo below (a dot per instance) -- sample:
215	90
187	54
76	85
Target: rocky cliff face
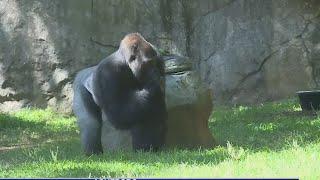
247	51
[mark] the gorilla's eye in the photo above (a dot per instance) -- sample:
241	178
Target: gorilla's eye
132	58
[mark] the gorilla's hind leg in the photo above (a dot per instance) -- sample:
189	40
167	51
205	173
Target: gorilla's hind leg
91	136
88	115
89	120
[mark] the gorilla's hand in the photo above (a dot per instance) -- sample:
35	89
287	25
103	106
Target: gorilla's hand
150	74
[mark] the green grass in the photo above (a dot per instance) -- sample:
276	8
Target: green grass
270	140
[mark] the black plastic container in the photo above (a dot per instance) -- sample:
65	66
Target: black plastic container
309	100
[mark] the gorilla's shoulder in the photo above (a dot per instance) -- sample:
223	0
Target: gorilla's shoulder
84	73
115	57
112	63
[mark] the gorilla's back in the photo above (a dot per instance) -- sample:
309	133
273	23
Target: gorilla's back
85	109
80	91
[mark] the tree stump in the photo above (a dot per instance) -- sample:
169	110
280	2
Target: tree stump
189	105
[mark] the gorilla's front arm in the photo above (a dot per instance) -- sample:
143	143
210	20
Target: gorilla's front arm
88	113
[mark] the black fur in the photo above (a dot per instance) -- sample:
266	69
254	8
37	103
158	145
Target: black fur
129	101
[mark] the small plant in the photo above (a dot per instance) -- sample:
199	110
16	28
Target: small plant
295	144
33	154
234	153
54	154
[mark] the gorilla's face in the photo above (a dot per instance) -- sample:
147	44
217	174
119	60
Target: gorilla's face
140	56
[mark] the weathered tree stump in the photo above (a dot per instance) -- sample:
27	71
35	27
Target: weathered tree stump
189	105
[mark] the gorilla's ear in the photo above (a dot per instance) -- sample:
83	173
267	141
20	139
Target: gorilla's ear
88	84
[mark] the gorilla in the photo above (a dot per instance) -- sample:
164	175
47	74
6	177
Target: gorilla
125	89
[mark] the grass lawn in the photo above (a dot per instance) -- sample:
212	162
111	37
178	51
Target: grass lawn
270	140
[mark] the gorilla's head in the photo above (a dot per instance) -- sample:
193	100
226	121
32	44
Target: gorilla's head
139	54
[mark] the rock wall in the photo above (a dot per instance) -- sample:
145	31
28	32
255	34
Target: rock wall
248	51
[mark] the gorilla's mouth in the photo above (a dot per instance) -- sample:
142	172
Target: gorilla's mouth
144	71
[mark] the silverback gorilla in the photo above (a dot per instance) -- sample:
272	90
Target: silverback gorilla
125	89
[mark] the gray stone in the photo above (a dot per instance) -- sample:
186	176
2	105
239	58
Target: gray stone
59	75
113	139
239	46
12	106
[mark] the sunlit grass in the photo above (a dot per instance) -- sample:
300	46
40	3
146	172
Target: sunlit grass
268	140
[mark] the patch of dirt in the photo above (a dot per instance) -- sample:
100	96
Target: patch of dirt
20	146
300	113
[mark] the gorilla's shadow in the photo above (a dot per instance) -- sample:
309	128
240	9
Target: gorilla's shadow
69	152
69	147
20	132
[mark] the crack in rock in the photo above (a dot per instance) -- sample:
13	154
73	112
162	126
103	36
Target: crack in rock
92	7
13	97
193	27
252	73
210	55
279	47
104	45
